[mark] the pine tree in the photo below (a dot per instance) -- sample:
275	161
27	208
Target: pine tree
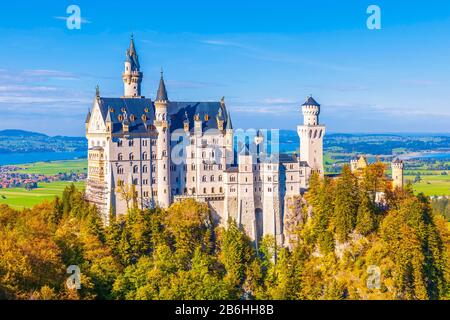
345	204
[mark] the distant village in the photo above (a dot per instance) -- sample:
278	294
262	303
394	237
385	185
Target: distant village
11	177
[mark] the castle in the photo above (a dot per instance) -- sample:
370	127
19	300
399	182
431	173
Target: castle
154	153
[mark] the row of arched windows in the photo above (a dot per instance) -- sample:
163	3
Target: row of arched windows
135	169
211	178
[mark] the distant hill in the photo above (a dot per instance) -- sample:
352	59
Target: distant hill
20	133
22	141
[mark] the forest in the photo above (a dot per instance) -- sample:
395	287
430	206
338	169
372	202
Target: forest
339	239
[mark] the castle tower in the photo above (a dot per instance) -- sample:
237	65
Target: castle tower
132	76
163	152
311	136
397	173
246	196
229	137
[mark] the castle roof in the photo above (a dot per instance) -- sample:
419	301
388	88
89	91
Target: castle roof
137	107
311	102
88	117
132	56
161	95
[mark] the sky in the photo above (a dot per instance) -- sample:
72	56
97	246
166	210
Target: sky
264	57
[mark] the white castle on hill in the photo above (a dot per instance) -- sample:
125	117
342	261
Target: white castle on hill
163	151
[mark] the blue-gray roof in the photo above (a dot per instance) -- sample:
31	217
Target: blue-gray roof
137	107
311	102
161	94
132	56
132	107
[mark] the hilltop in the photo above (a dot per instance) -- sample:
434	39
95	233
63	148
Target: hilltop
21	141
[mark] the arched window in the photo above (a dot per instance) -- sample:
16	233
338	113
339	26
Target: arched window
144	156
220	190
144	169
120	157
135	169
212	190
120	170
131	156
204	190
204	179
212	178
220	178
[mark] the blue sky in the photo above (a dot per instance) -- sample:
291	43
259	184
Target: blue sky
265	57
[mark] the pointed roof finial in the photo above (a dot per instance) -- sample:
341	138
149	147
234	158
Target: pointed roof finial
97	91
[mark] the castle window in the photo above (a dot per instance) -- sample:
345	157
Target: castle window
153	156
135	181
220	190
119	183
153	180
144	181
212	190
193	179
153	168
131	156
135	169
120	157
204	190
130	143
146	194
220	178
164	153
120	170
144	156
212	178
155	193
204	179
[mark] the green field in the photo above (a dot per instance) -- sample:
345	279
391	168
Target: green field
432	185
19	197
54	167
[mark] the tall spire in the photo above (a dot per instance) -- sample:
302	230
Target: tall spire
162	92
132	55
132	48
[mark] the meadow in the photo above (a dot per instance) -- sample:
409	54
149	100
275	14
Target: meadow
432	185
19	198
55	167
